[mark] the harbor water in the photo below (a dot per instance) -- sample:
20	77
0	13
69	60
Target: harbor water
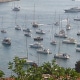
47	12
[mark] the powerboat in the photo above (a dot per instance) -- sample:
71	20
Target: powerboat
78	33
53	42
62	56
78	44
77	49
17	27
40	31
69	41
38	39
36	45
77	19
35	25
56	23
16	9
6	41
61	34
68	27
29	62
27	30
72	10
3	31
27	34
44	51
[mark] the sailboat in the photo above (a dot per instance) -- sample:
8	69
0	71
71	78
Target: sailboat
34	24
56	23
61	33
61	55
53	42
68	26
3	31
16	8
17	27
28	62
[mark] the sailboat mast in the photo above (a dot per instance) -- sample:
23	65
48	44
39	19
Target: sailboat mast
2	22
59	36
27	47
34	13
52	31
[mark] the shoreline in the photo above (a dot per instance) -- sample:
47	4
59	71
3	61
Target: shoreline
3	1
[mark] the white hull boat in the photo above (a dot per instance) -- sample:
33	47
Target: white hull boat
69	41
6	41
44	51
36	45
62	56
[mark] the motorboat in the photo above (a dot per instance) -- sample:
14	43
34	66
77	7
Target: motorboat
69	41
27	30
78	33
6	41
68	27
77	19
17	27
38	38
53	42
35	25
62	56
72	10
44	51
27	34
3	31
77	49
78	44
40	31
16	9
56	23
28	62
36	45
61	34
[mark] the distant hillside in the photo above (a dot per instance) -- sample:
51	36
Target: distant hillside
7	0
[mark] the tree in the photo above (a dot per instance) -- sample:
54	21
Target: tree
17	67
1	74
77	66
52	69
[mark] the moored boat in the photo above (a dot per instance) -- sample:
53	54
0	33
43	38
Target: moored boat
62	56
77	49
16	9
27	34
40	31
68	27
38	39
17	27
26	30
36	45
78	44
78	33
44	51
35	25
61	34
72	10
77	19
3	31
69	41
53	42
6	41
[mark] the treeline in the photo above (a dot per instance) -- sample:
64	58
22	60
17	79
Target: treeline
47	71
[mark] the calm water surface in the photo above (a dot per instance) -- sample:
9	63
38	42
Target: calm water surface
45	14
